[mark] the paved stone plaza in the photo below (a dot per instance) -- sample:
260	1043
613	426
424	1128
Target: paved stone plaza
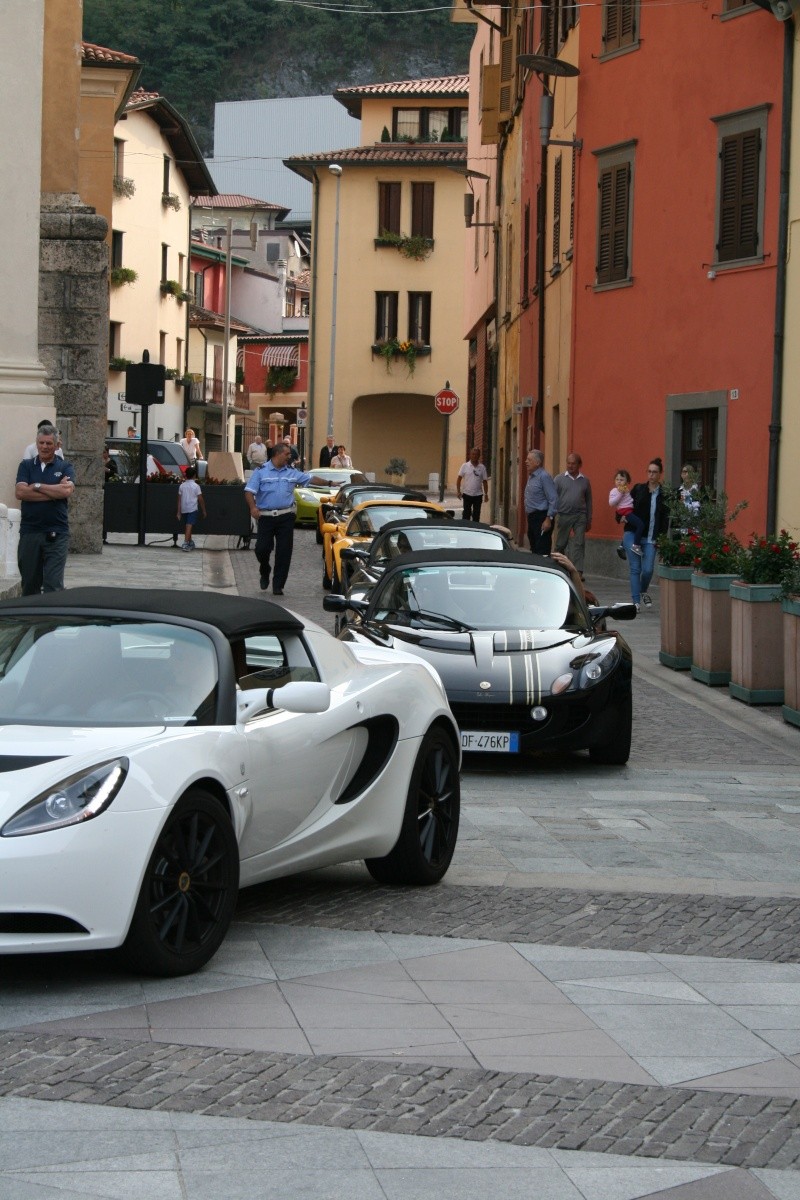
601	1000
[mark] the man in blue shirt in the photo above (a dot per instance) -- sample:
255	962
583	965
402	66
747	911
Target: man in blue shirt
44	486
269	493
541	502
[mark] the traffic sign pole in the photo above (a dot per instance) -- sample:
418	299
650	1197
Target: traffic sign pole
446	402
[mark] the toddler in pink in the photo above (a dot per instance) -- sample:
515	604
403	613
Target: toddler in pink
620	498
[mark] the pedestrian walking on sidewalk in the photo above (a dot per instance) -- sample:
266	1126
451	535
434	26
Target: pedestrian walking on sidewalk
649	507
540	504
190	497
269	493
574	511
472	485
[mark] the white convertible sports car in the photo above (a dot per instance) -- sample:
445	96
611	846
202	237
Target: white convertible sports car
159	749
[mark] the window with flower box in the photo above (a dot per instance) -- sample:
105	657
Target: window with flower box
422	210
385	316
419	318
388	208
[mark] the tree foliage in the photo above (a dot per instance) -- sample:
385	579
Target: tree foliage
196	52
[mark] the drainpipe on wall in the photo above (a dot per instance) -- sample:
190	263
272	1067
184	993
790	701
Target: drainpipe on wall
780	286
312	343
493	398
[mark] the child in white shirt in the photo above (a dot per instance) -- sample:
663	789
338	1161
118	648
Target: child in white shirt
190	496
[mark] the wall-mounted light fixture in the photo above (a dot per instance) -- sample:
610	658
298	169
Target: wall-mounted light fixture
545	67
469	203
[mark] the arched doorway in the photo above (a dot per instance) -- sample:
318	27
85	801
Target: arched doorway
401	425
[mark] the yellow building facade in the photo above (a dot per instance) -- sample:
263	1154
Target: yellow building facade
387	295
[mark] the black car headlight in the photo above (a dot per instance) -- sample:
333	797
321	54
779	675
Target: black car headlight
593	667
76	799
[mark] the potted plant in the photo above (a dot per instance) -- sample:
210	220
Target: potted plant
790	605
757	620
716	565
677	551
171	200
396	469
120	275
116	363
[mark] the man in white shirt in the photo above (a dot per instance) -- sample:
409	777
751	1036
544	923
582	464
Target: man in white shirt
472	485
257	452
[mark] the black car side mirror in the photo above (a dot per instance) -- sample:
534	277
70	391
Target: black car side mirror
621	611
333	602
351	553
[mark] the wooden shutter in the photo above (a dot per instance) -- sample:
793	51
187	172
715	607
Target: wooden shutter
740	156
507	73
619	24
388	208
613	223
490	104
422	210
557	212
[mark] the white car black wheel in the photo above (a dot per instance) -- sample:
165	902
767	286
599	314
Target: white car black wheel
189	890
429	831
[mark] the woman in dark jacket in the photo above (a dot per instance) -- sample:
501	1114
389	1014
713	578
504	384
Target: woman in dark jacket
649	506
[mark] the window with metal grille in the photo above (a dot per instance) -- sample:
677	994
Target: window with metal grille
419	317
385	316
388	208
422	210
614	215
620	25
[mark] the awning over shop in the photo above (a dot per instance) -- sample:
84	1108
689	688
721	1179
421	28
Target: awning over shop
279	356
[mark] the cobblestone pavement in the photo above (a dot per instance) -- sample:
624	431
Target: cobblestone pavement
717	927
601	1001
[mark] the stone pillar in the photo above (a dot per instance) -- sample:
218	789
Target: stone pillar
73	345
25	398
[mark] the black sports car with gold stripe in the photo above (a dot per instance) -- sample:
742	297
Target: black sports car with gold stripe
522	656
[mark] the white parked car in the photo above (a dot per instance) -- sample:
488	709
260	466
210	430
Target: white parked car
160	749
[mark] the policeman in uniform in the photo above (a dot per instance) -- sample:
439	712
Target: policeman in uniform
269	493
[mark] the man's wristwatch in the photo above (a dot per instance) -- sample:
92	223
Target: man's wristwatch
37	487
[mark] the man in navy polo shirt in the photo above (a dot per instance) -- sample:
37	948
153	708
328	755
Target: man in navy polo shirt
269	493
44	486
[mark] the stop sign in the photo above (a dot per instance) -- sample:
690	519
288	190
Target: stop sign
446	402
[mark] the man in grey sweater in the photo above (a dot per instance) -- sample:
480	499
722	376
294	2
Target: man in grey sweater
574	513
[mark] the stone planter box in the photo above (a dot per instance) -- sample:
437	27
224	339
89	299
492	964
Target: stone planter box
791	660
675	592
226	507
711	629
756	643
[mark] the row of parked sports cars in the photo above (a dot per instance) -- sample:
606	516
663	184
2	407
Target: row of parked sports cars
160	749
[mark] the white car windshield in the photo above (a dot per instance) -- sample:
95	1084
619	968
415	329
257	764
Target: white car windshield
94	673
478	596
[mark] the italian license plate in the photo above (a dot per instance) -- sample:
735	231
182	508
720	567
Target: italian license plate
497	743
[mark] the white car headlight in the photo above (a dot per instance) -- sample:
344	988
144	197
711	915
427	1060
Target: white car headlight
76	799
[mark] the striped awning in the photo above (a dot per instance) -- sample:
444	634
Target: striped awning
279	356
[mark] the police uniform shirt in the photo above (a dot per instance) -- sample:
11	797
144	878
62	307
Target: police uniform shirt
273	488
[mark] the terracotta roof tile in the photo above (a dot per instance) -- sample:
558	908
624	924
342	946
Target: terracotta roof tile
231	200
388	154
140	96
445	85
100	54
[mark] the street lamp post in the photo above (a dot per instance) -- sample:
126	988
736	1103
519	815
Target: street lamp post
336	170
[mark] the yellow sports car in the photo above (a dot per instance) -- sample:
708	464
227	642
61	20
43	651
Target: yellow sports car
361	526
307	499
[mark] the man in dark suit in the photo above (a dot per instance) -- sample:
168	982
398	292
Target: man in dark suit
328	451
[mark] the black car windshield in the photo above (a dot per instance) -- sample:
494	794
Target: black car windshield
94	672
480	596
403	541
370	520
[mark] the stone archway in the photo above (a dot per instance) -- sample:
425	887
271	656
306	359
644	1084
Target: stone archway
398	424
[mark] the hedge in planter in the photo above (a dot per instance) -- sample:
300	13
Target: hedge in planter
226	508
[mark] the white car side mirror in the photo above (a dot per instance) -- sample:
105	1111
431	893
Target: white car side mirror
292	697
